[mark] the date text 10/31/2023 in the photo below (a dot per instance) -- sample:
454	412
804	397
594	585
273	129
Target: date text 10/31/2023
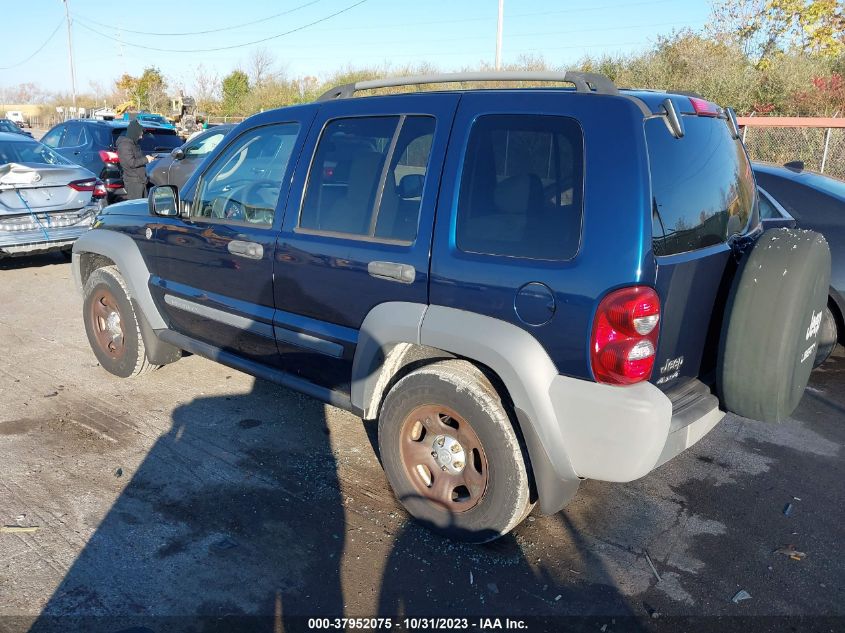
417	624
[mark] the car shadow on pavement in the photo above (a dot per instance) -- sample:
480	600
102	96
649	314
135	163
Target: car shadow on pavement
235	512
33	261
235	521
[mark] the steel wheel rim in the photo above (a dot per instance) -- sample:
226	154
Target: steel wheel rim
443	458
107	324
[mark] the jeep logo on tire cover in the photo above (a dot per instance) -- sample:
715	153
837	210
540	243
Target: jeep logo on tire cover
815	324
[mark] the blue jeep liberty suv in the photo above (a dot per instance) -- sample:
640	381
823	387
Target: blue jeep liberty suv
526	287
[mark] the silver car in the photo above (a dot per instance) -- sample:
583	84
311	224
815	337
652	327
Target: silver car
46	201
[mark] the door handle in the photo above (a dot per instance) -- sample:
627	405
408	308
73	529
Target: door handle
391	271
250	250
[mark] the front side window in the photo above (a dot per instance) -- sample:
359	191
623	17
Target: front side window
702	187
367	177
52	138
522	187
243	184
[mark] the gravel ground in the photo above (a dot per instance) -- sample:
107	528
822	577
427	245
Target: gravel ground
199	491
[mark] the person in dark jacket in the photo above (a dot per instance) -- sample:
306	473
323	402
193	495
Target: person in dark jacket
133	161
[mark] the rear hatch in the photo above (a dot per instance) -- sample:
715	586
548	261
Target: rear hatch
703	200
154	141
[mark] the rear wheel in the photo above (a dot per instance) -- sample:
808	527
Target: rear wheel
451	453
112	326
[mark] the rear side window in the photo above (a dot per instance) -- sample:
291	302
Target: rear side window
367	177
702	187
522	187
75	136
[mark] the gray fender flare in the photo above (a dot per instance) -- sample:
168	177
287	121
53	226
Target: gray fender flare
391	330
122	250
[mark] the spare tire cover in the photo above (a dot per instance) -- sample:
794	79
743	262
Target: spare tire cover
771	326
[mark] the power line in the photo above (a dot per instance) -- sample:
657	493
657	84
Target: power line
226	48
38	50
490	18
225	28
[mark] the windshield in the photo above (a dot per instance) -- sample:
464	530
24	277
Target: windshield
158	141
8	126
29	152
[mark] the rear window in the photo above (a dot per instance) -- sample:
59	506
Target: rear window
29	152
702	187
522	187
158	141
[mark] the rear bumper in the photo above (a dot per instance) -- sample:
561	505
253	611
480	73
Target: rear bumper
623	433
29	242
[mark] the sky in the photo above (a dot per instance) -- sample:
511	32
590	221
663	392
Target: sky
309	39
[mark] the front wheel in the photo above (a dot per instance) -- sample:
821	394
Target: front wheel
451	453
112	326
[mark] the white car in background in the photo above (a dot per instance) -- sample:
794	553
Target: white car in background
17	116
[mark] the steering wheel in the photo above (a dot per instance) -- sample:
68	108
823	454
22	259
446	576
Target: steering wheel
228	208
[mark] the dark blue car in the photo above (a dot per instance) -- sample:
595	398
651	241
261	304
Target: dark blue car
93	144
525	287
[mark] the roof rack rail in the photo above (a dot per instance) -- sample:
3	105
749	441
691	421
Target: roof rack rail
584	82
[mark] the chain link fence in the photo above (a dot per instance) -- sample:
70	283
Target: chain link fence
821	149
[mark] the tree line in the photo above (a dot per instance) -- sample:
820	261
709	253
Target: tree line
775	57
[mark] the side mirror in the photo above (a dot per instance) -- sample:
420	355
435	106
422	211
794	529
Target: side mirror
411	186
178	153
164	201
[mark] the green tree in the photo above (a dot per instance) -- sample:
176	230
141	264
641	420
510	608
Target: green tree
147	92
767	28
235	90
152	90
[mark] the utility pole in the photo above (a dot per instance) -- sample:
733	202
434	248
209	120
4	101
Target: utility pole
70	54
499	35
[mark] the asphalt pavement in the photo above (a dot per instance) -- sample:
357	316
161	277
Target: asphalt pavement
200	492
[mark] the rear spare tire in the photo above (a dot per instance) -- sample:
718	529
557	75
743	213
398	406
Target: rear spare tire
771	326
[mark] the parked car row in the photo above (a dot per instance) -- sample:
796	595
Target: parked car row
92	144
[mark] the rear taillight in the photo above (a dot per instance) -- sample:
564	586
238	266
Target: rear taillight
83	185
624	341
99	191
703	107
109	157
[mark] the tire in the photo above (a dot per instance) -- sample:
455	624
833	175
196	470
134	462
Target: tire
495	494
828	337
771	327
116	341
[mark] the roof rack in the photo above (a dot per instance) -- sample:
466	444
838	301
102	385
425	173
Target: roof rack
584	82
